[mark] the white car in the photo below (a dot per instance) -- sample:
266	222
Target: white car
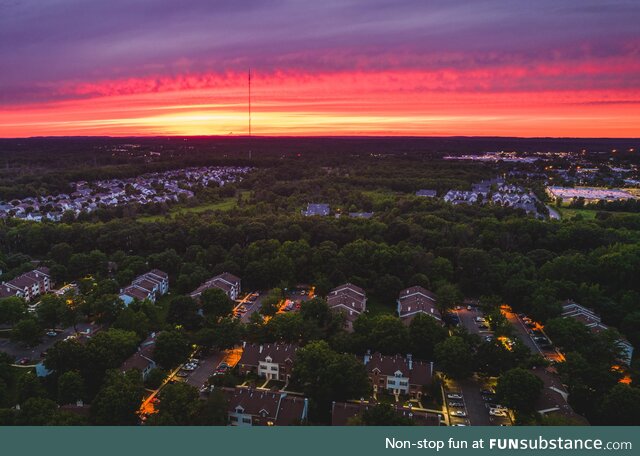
454	395
460	413
497	412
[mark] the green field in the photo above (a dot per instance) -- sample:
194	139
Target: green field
225	205
569	213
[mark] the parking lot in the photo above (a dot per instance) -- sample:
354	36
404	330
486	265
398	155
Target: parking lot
532	335
469	402
34	354
474	404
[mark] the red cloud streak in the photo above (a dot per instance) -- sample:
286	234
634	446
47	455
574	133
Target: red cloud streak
561	99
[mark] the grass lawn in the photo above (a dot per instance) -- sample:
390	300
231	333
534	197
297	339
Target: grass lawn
224	205
569	213
377	308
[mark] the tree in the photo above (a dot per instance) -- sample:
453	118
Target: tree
492	358
424	334
28	386
178	405
620	406
216	303
51	310
66	356
383	333
212	411
12	310
448	296
154	378
454	357
37	411
325	376
118	401
184	311
70	388
172	348
381	415
270	303
519	389
568	333
27	331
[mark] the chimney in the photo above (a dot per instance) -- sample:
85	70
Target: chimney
367	357
410	361
260	349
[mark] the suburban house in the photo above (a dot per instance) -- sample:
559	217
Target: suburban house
398	374
250	407
316	209
343	412
592	321
271	361
28	285
143	358
415	300
348	299
147	286
226	282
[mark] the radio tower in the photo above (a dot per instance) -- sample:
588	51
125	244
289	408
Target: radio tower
249	113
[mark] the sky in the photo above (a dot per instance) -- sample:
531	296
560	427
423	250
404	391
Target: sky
546	68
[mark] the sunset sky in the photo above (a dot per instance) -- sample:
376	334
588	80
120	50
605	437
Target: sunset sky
331	67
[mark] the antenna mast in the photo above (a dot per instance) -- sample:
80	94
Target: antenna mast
249	111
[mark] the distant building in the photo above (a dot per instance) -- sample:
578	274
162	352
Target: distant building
427	193
226	282
270	361
350	300
588	193
147	286
592	321
316	209
251	407
398	374
416	300
343	412
143	358
28	285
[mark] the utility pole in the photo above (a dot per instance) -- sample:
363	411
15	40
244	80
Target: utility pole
249	113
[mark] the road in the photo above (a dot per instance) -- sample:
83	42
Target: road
553	213
18	350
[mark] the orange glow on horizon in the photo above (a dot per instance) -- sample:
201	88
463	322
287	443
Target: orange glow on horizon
435	103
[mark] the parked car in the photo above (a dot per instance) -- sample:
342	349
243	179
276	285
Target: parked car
182	374
497	412
488	391
460	413
456	404
454	395
483	326
480	319
23	361
52	333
